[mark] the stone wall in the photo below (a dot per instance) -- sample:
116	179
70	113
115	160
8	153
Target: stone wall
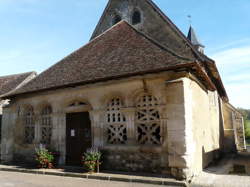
152	24
202	111
131	161
234	135
189	123
229	139
96	96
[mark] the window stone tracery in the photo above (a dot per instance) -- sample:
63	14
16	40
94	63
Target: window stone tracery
148	129
29	128
116	123
46	125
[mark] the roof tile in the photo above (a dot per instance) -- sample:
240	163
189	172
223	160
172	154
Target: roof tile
11	82
120	51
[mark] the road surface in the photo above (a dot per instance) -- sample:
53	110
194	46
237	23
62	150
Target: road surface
13	179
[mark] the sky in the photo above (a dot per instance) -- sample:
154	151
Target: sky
35	34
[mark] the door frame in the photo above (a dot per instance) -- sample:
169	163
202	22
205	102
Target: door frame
80	116
75	109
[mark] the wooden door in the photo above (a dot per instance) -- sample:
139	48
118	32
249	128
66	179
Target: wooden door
78	137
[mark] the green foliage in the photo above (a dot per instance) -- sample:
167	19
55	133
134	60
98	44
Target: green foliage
245	113
246	116
91	159
44	158
92	154
247	129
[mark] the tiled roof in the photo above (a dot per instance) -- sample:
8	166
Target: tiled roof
120	52
11	82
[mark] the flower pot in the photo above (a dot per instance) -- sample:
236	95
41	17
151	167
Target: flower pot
90	165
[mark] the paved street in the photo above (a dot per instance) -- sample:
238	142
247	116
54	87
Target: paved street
12	179
216	180
218	175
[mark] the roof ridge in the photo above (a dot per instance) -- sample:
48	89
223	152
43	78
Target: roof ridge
18	74
165	59
145	36
116	25
74	52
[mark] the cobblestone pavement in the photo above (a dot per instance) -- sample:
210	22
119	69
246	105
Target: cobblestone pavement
13	179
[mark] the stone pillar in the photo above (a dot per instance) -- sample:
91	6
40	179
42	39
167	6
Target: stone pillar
176	131
164	153
163	117
58	139
8	126
37	120
59	135
97	127
130	120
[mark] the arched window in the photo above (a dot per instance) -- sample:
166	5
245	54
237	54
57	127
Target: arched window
148	120
136	17
117	131
29	126
116	19
46	125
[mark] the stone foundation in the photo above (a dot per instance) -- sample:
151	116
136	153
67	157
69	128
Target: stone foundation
134	162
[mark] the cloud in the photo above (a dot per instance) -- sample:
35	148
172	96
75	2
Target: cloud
233	56
239	94
234	65
240	42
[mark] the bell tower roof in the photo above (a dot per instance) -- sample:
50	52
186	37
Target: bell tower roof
193	38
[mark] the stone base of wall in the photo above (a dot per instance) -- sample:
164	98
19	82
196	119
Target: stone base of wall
210	157
134	162
28	159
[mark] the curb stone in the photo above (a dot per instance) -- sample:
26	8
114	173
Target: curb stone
155	181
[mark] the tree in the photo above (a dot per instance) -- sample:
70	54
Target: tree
246	116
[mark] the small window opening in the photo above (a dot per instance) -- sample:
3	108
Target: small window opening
116	19
136	18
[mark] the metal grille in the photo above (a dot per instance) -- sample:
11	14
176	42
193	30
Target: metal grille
29	129
117	131
46	125
148	120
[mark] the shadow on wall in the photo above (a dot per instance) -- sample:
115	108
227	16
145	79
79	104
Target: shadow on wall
210	157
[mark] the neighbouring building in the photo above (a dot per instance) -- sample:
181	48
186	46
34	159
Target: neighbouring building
140	90
9	84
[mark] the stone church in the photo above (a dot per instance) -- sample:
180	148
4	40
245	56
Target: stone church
140	90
